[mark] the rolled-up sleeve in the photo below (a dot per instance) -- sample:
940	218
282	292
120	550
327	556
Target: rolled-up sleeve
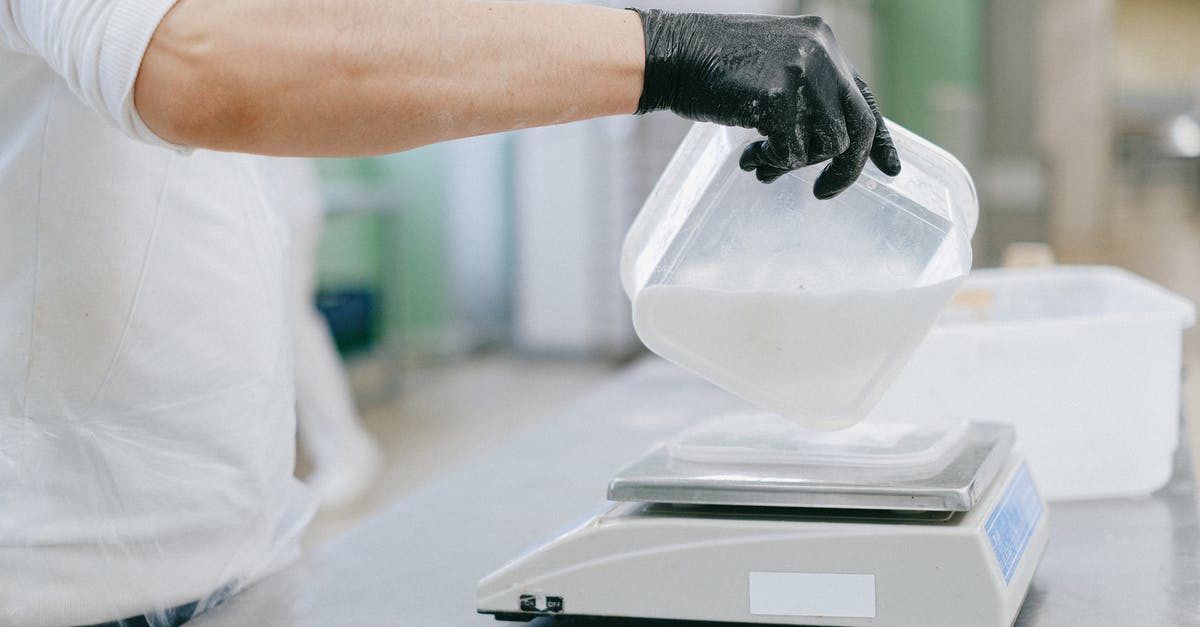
95	45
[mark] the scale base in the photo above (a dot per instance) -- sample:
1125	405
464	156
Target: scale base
787	566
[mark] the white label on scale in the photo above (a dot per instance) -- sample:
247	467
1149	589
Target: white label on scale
812	594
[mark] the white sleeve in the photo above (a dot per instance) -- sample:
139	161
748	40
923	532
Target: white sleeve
95	45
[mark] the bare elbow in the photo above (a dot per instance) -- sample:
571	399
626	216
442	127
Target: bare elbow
185	95
182	112
166	110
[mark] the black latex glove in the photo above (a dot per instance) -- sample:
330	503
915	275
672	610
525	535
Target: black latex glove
783	76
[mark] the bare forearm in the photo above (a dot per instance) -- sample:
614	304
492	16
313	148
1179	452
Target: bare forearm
356	77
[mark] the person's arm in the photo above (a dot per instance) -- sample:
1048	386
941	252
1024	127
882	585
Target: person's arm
358	77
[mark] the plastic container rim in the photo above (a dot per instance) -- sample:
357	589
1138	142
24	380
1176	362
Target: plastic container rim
1175	307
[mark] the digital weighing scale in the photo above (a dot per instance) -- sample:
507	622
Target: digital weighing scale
751	519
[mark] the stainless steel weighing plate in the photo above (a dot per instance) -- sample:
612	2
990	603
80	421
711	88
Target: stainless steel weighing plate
953	483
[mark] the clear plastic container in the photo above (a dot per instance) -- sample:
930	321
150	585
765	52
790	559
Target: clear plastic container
804	307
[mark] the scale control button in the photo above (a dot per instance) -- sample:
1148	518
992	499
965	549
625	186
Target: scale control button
529	603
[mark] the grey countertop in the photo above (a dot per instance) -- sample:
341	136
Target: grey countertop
1110	562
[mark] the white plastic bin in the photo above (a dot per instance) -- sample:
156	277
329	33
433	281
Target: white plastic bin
1083	360
804	307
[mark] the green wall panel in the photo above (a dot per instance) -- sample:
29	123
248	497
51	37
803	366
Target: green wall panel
921	43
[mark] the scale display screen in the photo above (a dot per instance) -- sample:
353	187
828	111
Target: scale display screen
1012	523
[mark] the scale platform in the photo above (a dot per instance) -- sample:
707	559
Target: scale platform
749	519
949	475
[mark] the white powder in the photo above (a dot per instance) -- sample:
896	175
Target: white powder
823	359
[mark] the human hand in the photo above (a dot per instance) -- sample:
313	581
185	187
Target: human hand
783	76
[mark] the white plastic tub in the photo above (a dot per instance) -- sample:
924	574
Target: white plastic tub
1083	360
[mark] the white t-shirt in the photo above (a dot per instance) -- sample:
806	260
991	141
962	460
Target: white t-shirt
146	404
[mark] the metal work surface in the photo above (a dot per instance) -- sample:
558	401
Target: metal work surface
953	485
1112	562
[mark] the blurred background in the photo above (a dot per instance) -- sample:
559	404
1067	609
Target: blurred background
472	287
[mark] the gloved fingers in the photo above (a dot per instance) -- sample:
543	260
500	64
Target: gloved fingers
768	174
768	161
821	120
753	156
845	168
883	151
828	138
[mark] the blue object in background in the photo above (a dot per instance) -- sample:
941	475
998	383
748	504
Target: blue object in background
352	315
